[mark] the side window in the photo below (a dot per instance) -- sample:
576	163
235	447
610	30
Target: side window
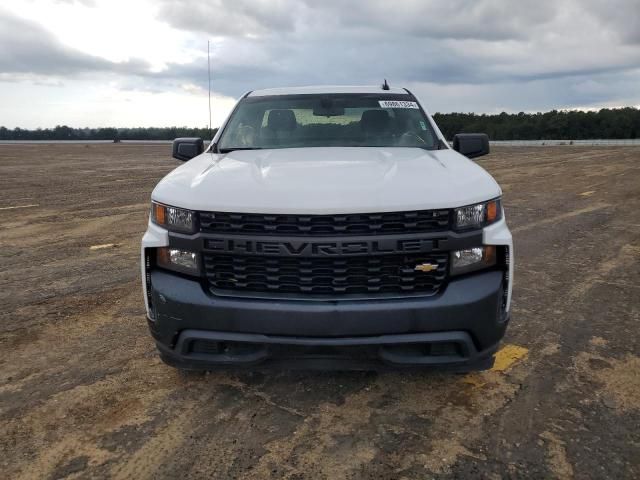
242	130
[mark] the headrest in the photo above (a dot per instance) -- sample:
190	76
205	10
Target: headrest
281	120
374	121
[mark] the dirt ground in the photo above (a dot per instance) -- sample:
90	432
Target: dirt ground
84	395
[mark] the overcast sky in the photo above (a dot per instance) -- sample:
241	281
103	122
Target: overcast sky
143	63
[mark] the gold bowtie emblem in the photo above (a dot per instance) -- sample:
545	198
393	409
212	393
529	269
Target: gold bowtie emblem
426	267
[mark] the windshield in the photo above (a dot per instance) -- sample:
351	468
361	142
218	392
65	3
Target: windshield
332	120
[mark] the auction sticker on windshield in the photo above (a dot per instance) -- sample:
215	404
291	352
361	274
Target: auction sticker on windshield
397	104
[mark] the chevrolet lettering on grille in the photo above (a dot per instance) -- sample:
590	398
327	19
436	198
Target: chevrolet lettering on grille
323	248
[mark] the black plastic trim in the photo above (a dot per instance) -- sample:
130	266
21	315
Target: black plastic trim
378	244
425	243
387	349
470	304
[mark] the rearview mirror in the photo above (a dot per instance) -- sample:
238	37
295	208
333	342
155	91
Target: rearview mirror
328	108
332	111
186	148
471	145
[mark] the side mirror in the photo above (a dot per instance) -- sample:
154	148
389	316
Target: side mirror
186	148
471	145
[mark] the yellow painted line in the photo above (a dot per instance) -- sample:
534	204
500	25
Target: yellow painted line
104	245
20	206
507	356
475	380
586	194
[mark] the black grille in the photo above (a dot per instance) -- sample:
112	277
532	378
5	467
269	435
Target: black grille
382	274
419	221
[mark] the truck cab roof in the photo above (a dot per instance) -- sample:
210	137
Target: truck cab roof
320	89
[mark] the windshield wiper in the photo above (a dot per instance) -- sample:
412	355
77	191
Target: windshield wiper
231	149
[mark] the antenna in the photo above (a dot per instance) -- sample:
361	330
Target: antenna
385	85
209	78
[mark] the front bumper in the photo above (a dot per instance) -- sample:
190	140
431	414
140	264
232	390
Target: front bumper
459	328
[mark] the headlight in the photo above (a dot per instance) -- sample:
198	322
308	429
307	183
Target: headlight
472	259
477	216
177	260
173	218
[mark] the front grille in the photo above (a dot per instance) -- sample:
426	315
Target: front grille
419	221
358	275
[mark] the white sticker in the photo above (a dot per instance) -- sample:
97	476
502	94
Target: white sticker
397	104
423	125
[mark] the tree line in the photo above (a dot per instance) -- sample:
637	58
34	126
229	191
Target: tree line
63	132
616	123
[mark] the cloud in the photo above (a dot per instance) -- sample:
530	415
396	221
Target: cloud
428	41
28	49
488	19
86	3
481	55
229	17
492	20
621	17
598	90
242	64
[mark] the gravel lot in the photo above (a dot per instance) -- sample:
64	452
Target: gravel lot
83	394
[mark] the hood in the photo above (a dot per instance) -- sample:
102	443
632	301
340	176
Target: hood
327	180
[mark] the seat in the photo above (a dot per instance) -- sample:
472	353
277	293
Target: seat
375	121
281	120
280	124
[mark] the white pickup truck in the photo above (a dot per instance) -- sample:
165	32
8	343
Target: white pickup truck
328	227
